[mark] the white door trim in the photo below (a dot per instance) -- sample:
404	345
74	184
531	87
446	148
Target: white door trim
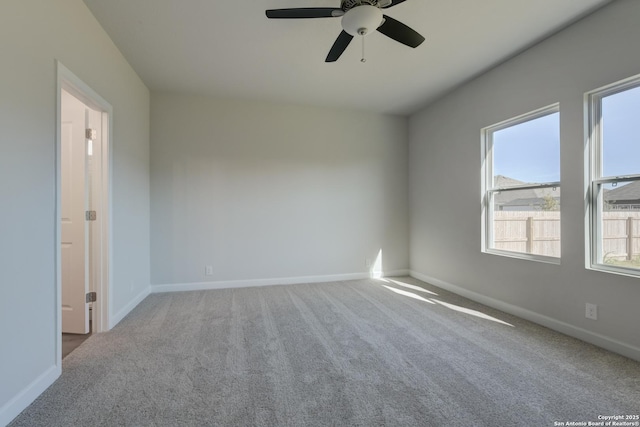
101	312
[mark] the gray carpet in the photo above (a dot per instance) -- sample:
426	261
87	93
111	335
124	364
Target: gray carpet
351	353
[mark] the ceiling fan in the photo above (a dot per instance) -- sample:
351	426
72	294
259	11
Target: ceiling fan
359	18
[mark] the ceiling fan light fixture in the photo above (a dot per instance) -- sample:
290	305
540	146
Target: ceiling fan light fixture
362	20
359	18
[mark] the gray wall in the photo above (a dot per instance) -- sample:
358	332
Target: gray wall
33	34
264	191
445	179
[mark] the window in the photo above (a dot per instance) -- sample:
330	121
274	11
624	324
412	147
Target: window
521	190
614	184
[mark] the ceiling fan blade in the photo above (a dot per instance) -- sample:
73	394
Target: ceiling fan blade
305	12
400	32
394	3
339	46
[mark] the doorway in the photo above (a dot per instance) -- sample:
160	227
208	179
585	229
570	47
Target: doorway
82	212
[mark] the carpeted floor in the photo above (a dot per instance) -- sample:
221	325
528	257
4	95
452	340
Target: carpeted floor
360	353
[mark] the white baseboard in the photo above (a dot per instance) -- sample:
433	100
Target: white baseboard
226	284
116	318
24	398
599	340
397	273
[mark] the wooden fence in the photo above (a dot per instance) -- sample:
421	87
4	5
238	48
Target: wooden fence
621	235
538	232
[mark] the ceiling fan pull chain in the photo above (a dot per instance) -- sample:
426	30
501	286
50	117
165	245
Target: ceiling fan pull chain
363	58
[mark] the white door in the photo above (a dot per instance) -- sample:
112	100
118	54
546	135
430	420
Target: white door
75	310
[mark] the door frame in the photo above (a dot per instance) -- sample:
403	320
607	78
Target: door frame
100	247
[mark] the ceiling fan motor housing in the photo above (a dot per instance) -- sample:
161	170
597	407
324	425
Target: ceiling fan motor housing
350	4
362	20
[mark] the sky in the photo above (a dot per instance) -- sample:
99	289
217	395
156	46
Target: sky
530	151
621	133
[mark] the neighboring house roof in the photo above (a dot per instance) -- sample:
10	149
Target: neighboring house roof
532	201
630	191
505	181
532	196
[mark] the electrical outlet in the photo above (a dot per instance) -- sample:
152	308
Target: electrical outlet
208	270
367	263
591	311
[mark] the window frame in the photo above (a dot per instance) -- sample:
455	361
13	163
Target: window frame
489	191
594	179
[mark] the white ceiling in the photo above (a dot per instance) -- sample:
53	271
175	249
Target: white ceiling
229	49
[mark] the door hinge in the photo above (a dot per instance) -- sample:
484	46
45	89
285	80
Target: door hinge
90	134
90	215
92	297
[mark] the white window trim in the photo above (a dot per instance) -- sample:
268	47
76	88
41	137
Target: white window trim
487	178
594	178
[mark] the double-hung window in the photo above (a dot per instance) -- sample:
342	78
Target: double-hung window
521	186
614	177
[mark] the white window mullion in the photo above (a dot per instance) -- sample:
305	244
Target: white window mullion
525	151
614	119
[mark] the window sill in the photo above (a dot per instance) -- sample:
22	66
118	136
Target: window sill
622	271
520	255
